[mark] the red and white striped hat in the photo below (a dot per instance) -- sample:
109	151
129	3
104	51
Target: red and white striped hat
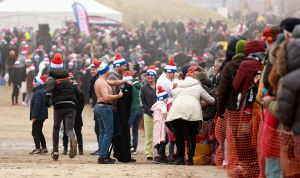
95	64
119	60
161	93
17	62
189	75
141	61
127	76
40	80
32	67
46	61
57	62
27	60
151	71
171	67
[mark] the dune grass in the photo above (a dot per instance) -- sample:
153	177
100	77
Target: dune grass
135	11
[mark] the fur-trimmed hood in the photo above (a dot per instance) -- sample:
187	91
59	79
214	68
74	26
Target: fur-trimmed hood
293	55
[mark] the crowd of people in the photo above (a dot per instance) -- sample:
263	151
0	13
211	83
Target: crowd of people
192	85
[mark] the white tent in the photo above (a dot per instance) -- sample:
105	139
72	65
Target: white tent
53	12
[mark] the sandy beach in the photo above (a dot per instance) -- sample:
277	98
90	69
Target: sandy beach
16	142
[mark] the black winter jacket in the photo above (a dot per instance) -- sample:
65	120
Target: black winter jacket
61	88
148	98
16	76
38	109
227	96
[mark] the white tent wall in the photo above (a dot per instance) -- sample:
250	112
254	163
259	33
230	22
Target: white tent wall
53	12
55	20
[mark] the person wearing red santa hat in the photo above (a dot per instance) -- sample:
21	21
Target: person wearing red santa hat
121	140
135	111
119	66
148	98
94	74
104	114
38	114
60	89
166	79
159	129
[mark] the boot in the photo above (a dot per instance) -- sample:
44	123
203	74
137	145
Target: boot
80	149
190	161
65	152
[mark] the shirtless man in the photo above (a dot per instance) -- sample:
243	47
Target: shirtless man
103	111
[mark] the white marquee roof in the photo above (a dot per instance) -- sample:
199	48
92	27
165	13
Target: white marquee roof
52	12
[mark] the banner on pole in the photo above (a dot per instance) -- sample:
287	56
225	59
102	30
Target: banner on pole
81	18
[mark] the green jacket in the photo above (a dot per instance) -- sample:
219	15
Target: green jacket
135	102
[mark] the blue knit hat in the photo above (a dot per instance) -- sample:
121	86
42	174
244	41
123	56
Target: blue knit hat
103	68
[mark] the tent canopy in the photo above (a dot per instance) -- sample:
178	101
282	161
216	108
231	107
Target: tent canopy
55	13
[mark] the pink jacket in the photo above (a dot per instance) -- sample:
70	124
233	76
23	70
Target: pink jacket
159	117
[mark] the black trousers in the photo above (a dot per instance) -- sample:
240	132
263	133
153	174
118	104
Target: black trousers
68	116
37	133
78	133
185	129
15	94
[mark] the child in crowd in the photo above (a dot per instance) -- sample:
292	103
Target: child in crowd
159	129
38	114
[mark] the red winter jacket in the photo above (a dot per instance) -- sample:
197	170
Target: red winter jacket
245	76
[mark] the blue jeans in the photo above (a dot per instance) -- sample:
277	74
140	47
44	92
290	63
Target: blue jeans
104	116
273	168
134	122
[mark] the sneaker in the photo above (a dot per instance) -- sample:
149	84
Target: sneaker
172	159
133	152
65	152
132	149
105	161
190	162
132	160
44	150
35	151
160	159
111	159
55	155
96	153
179	162
73	150
80	150
149	158
224	164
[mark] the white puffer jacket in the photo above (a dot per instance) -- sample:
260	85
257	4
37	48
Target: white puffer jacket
187	98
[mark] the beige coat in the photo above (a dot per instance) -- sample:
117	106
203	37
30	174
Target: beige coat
187	98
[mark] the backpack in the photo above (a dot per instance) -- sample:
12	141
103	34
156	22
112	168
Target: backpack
251	93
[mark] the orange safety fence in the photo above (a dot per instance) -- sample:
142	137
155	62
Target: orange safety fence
220	134
289	154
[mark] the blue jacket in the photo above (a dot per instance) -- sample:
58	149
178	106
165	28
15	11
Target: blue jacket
38	109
